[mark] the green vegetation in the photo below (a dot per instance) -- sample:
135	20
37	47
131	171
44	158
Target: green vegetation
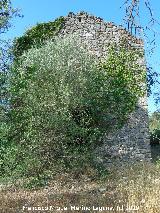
7	12
36	36
154	125
154	121
62	101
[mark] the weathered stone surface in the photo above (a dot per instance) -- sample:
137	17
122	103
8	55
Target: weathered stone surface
131	143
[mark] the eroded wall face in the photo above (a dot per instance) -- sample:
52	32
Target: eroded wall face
131	143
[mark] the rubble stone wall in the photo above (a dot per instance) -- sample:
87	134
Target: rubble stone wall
131	143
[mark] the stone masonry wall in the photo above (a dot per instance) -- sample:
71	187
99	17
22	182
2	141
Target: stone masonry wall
131	143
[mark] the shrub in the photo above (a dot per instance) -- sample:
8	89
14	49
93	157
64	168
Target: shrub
63	100
154	121
125	78
36	36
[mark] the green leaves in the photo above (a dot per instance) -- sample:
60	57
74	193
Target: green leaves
36	36
126	78
154	121
63	100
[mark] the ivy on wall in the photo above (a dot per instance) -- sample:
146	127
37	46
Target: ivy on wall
36	36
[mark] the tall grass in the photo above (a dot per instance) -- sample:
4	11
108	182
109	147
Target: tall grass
134	186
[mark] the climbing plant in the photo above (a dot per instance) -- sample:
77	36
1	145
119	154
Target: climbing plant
37	35
125	77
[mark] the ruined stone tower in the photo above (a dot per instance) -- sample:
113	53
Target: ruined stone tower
131	143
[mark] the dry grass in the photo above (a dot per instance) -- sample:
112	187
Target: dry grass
138	185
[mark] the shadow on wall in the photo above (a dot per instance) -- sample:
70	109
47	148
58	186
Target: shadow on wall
131	143
155	152
155	145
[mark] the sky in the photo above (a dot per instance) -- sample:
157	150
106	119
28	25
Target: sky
38	11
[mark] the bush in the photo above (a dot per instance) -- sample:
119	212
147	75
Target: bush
154	121
36	36
63	100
